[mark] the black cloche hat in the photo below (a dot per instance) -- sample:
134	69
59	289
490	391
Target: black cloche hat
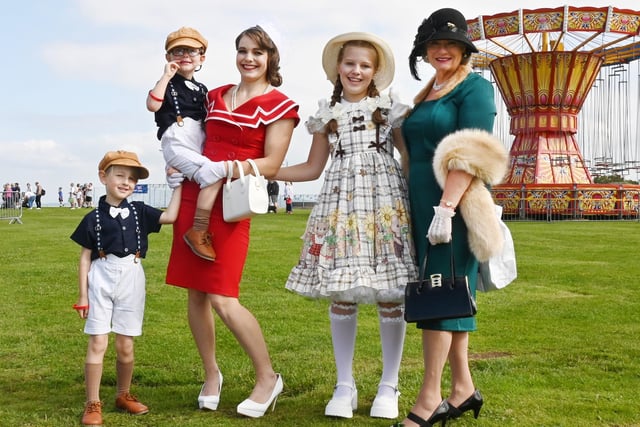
448	24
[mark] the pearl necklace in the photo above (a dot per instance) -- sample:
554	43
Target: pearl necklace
437	86
235	92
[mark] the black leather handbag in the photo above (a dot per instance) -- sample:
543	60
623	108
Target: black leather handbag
437	297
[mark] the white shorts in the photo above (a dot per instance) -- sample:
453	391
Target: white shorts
182	147
116	296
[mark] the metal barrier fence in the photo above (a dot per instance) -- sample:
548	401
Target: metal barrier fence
595	203
11	206
551	203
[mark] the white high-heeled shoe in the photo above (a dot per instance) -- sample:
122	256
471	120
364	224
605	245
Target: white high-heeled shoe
343	407
385	406
253	409
210	402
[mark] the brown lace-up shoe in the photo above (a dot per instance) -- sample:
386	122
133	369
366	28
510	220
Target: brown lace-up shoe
92	413
200	243
128	403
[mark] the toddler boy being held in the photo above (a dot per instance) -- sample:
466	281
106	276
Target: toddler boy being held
178	102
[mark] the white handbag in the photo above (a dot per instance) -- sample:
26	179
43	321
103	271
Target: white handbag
501	269
246	196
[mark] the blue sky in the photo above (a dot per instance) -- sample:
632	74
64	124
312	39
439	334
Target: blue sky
77	87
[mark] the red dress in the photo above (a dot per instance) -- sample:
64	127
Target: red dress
230	135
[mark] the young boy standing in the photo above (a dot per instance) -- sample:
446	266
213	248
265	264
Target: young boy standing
111	278
179	104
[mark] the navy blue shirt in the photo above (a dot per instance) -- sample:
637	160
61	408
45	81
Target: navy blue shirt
191	101
118	236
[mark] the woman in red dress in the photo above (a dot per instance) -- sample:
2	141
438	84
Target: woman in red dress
250	120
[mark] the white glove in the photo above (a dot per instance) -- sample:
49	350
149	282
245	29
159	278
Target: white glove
440	227
398	110
175	179
210	173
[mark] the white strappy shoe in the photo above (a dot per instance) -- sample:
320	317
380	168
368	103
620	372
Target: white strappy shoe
385	406
343	407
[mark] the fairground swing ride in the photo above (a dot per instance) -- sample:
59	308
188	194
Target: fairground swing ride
569	78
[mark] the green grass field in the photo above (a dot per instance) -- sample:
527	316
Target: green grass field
559	347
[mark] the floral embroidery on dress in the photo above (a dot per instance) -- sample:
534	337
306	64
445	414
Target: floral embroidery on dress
341	234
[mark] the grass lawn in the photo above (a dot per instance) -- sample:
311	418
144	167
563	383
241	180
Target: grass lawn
559	347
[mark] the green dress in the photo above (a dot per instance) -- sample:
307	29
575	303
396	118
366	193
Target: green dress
469	105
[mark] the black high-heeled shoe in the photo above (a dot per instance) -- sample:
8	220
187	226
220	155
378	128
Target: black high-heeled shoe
473	403
440	414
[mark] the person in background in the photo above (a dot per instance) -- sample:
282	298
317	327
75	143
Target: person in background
29	197
72	196
16	198
88	195
247	120
60	197
7	196
452	157
39	194
288	197
111	280
79	196
348	255
178	101
273	188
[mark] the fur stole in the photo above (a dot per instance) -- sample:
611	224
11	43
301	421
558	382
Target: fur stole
482	155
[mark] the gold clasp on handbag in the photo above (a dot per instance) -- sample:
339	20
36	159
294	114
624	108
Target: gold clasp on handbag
436	280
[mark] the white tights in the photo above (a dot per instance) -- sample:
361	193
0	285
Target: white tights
344	320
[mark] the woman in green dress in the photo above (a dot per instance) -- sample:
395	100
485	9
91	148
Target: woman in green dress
452	159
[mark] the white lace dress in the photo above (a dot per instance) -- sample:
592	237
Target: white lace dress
357	246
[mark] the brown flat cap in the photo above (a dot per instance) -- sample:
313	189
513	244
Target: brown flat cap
185	36
123	158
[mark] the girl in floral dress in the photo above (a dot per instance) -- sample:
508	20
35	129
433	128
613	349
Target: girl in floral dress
357	246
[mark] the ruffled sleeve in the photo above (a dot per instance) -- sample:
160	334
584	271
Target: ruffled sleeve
398	111
319	120
326	113
315	125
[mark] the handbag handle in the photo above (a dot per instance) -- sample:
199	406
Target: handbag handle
232	163
423	266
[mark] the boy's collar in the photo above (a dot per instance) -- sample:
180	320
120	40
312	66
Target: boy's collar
104	205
